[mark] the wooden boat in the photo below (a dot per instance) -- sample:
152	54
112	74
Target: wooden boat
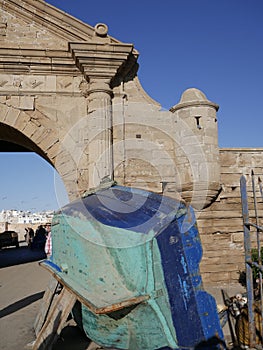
132	258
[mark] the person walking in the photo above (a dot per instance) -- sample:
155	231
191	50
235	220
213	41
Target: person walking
48	245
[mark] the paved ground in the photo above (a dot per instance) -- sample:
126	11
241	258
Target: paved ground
22	285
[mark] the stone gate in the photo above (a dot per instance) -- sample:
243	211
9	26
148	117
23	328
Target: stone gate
70	93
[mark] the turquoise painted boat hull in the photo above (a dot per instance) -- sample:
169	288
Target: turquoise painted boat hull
132	258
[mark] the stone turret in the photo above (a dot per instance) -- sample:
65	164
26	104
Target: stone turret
198	165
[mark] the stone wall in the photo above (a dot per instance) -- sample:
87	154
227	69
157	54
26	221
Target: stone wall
70	93
221	224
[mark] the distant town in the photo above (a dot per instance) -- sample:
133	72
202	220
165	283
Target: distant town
15	217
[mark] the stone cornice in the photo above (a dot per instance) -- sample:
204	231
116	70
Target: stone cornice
19	61
101	60
91	59
194	104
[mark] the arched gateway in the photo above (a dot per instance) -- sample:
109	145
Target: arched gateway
70	93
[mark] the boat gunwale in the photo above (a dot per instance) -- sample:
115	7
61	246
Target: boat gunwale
97	310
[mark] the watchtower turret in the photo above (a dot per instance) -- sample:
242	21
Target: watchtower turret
198	165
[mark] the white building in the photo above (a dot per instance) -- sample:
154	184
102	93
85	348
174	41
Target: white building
25	217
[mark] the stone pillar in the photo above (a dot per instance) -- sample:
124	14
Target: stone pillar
118	108
102	61
100	131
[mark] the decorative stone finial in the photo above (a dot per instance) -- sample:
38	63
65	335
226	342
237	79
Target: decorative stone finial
101	29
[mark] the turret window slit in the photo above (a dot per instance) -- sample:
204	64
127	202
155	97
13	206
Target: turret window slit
198	122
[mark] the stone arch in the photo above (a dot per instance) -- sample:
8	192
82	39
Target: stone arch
10	136
33	131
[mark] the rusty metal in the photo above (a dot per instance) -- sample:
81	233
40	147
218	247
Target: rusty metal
248	258
260	186
247	224
258	247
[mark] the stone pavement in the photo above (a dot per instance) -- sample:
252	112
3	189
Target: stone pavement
22	285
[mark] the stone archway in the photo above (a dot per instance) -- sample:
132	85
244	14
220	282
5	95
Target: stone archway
65	86
13	140
57	89
25	130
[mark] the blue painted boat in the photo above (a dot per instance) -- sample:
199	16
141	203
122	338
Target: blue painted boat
132	258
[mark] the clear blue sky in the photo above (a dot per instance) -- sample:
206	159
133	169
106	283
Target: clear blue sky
213	45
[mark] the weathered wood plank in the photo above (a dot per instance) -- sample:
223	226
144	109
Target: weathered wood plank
45	305
55	320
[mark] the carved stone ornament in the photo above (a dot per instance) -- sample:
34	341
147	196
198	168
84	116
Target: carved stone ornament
101	29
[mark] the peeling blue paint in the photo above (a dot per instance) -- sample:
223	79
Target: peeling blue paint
122	244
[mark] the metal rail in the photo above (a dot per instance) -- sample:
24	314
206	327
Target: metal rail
247	225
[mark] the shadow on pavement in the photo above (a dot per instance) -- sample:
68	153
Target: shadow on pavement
20	304
15	256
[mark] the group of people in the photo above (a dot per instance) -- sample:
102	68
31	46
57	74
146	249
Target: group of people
41	239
